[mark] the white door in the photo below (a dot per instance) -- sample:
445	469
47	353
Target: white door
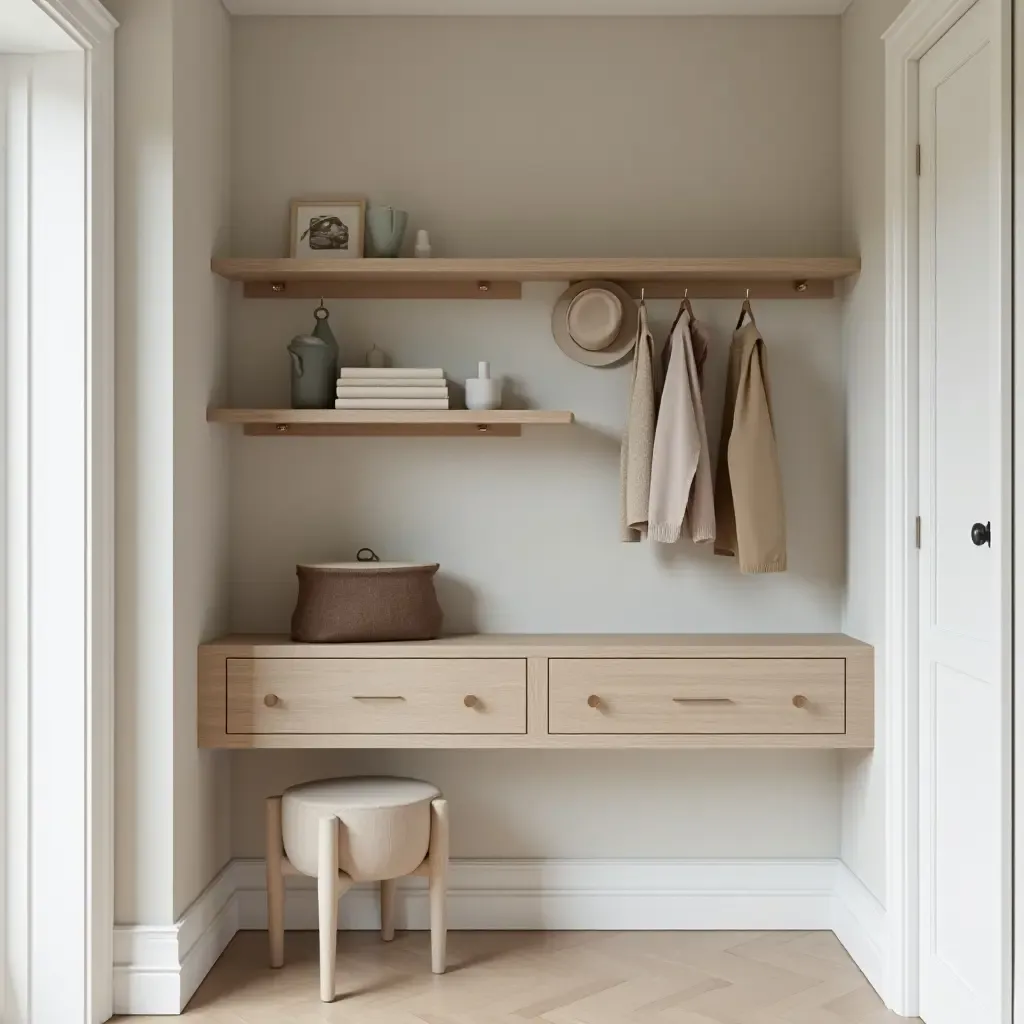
964	504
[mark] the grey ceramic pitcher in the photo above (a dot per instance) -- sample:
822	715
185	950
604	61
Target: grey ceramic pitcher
314	365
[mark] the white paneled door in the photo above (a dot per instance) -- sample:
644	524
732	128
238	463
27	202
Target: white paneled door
965	527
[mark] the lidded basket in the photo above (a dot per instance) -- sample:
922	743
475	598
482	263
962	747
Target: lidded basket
366	601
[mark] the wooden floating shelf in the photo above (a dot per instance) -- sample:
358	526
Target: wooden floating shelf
387	423
715	278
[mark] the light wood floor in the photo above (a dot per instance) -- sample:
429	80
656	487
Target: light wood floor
554	977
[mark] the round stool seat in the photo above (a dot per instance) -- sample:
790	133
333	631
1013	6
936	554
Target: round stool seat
385	824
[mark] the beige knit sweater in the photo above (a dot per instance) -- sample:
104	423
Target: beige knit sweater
748	491
638	440
681	487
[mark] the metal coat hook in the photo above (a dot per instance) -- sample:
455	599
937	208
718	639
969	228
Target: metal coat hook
746	310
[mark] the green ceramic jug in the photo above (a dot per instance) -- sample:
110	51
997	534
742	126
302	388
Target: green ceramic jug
314	365
385	229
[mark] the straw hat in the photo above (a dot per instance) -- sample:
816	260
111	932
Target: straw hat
595	322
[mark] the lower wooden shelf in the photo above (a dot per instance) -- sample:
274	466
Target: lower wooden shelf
388	422
544	691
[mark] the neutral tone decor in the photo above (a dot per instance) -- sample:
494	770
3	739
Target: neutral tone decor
389	422
645	977
483	391
385	228
749	509
349	602
343	831
328	229
681	489
595	323
482	278
637	447
552	691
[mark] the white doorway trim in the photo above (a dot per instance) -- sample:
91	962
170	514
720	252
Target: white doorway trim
919	27
63	955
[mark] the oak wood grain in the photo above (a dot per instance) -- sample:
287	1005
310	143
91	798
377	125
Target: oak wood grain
697	695
376	695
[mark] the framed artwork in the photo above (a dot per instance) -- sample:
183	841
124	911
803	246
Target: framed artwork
331	229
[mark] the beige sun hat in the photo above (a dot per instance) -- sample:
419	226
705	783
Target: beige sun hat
595	322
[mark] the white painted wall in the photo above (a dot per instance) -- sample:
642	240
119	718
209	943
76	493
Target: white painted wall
863	150
559	137
173	104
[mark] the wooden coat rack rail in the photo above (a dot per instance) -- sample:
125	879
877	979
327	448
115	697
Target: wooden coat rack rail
711	278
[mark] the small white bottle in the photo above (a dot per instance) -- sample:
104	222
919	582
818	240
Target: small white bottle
482	392
423	244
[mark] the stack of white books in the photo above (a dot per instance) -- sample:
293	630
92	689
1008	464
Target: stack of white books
372	387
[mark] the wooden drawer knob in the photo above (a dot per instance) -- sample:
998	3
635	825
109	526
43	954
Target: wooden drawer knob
800	701
271	700
471	700
594	701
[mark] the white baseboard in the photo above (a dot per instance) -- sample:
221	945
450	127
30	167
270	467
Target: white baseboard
158	969
504	895
858	920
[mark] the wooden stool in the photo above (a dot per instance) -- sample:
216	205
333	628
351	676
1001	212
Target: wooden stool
342	831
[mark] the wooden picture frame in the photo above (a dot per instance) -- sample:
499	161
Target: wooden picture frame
344	228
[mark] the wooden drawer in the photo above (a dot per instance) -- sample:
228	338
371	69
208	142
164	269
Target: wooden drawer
376	695
697	695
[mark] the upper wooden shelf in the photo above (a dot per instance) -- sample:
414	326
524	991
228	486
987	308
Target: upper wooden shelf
502	278
388	422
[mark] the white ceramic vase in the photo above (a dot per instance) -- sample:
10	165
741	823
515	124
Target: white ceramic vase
483	391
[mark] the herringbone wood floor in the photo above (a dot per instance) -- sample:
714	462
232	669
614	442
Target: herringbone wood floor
553	977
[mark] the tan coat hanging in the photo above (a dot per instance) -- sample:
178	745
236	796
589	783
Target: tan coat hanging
638	440
748	491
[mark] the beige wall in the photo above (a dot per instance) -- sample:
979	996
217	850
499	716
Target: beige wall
202	60
546	136
172	178
863	124
144	746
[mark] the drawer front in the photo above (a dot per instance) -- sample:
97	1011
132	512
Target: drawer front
349	695
698	695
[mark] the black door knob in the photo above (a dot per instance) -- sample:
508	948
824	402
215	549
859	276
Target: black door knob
981	534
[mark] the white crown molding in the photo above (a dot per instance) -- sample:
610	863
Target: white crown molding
86	21
158	969
536	8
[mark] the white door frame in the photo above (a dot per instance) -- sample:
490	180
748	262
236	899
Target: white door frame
82	953
919	27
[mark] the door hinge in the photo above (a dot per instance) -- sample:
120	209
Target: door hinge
918	158
917	532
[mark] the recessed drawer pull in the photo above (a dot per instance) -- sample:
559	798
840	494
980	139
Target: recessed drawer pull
378	697
703	700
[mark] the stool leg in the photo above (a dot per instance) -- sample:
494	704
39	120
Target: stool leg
275	882
387	908
438	864
327	898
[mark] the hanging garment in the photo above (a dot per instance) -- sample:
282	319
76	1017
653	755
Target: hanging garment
681	467
748	489
638	440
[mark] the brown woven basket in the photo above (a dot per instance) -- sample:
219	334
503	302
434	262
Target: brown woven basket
360	602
